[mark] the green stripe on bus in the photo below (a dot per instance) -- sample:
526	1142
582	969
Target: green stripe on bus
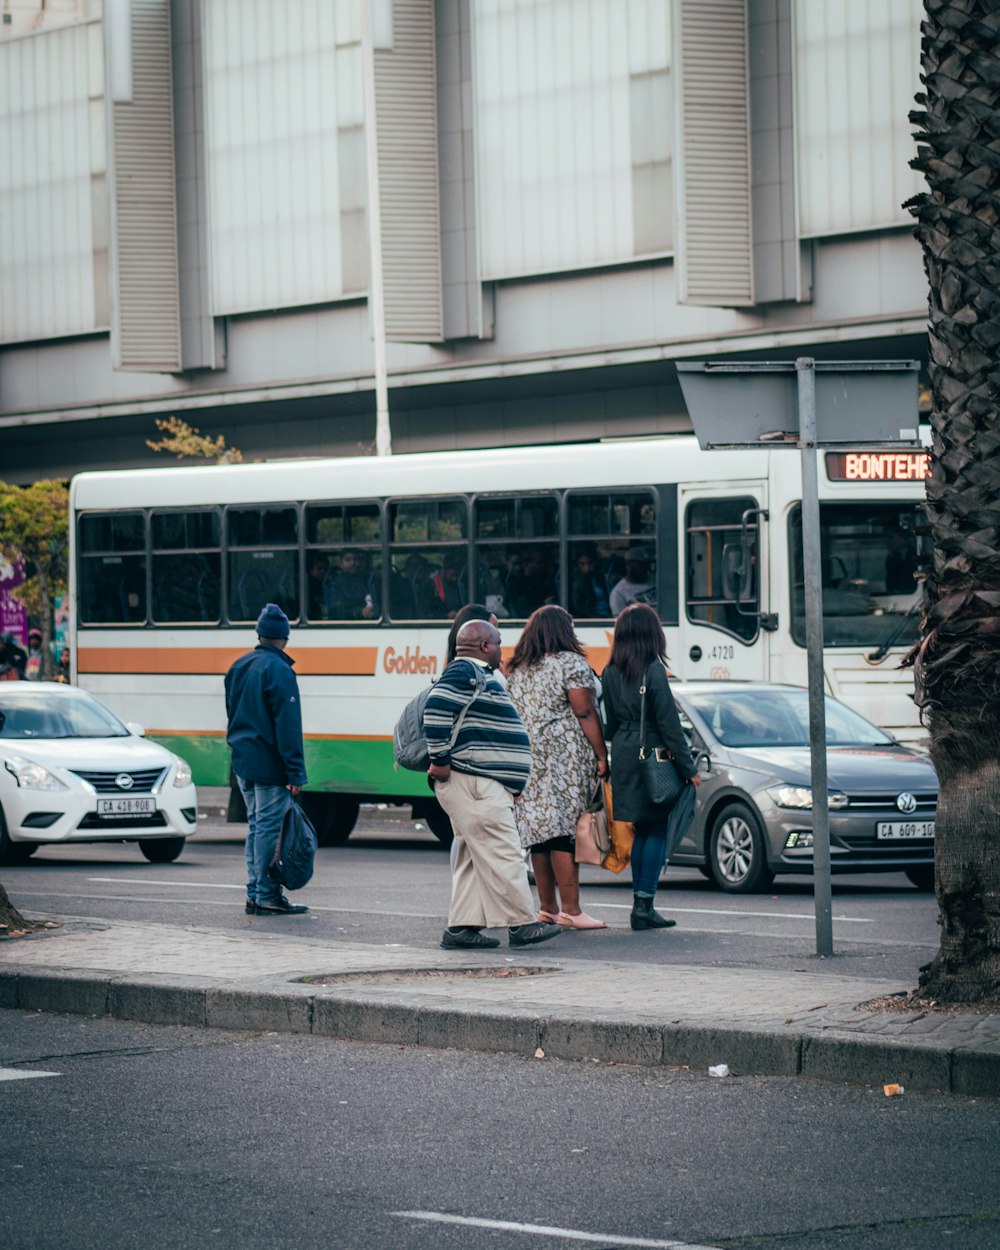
341	765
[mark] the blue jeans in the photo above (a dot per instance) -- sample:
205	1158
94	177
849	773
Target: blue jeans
266	807
649	853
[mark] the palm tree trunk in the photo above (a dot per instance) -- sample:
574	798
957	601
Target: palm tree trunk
11	920
957	661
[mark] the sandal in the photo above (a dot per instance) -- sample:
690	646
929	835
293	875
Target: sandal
549	917
583	921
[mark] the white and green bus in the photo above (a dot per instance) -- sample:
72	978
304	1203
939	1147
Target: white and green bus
369	558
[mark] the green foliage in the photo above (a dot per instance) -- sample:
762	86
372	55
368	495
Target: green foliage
34	524
187	442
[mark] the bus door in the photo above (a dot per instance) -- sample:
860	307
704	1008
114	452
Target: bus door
725	612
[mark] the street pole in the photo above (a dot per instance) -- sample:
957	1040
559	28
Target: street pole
806	376
376	293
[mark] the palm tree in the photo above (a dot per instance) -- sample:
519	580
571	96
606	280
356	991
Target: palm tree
957	661
11	920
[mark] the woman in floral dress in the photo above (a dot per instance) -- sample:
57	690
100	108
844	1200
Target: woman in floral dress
555	692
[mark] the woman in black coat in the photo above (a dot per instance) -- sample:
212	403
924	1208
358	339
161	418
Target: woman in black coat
638	657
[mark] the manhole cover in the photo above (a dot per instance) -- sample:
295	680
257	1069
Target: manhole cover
407	976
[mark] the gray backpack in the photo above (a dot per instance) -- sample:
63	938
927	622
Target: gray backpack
409	745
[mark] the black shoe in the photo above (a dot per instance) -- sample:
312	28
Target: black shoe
251	907
644	917
279	906
465	938
528	934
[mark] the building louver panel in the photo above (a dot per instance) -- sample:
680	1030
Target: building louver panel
406	120
146	334
714	243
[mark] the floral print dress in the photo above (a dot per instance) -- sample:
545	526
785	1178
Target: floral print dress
563	766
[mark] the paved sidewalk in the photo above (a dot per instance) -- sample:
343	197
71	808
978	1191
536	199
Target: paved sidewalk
755	1021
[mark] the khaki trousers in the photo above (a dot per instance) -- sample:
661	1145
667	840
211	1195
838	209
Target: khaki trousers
489	884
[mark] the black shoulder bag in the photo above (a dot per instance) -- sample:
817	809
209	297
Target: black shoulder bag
661	777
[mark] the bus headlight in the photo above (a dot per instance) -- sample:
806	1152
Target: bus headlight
182	774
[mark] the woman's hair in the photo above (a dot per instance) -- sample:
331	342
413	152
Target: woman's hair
471	612
549	629
638	641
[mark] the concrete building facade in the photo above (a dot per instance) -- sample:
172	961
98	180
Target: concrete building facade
572	195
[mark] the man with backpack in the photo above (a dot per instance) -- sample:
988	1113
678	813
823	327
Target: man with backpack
478	774
265	738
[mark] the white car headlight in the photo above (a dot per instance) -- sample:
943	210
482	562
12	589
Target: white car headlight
182	775
32	776
801	797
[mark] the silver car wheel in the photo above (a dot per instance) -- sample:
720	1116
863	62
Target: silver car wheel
734	850
737	854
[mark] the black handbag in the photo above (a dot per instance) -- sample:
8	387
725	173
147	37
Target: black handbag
661	777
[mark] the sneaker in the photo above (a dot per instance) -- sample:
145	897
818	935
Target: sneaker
279	906
528	934
460	939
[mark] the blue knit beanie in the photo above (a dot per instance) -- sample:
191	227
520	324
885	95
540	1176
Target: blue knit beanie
272	622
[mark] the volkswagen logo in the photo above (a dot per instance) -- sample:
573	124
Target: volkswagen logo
124	782
907	804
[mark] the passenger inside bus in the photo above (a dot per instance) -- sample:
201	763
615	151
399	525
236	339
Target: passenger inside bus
588	595
531	582
317	573
349	595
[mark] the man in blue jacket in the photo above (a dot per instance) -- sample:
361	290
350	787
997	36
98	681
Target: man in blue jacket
265	739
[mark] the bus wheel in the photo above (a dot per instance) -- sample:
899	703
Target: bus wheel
436	818
333	816
737	853
161	850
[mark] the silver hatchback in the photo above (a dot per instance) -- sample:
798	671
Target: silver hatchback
753	817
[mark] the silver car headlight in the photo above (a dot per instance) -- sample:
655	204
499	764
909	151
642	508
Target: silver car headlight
182	774
801	797
32	776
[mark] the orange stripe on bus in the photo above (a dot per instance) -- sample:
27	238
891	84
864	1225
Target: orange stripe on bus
312	661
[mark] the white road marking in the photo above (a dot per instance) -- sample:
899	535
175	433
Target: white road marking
23	1074
688	911
544	1230
194	885
766	915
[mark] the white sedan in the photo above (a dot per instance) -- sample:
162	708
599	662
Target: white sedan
70	771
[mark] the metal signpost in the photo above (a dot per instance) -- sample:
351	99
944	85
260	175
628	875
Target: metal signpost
809	405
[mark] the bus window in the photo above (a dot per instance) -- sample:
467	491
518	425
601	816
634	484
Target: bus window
428	559
187	568
722	586
517	554
262	561
343	562
612	552
870	557
112	568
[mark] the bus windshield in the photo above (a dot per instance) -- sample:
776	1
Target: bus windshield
871	558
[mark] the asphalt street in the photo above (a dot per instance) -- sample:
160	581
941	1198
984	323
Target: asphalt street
125	1135
390	885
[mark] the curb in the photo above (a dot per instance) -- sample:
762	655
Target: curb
282	1006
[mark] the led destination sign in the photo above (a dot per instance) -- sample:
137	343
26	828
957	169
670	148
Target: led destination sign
878	466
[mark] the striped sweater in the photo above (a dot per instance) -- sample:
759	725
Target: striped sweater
492	741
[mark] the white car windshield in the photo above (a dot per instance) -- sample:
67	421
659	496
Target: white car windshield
779	718
32	714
